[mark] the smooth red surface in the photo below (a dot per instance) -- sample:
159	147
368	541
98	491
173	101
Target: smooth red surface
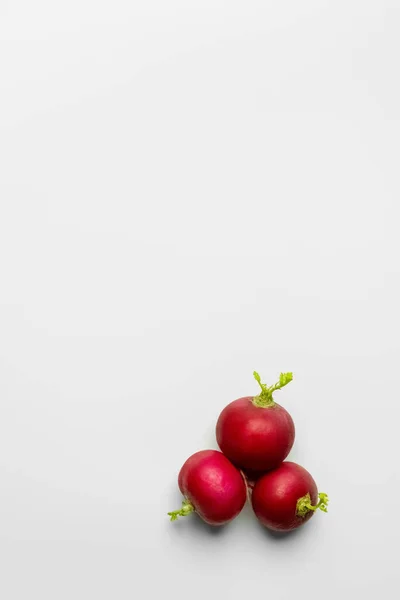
214	486
255	438
276	493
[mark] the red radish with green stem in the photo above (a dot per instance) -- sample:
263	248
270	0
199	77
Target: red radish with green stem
287	497
212	487
255	432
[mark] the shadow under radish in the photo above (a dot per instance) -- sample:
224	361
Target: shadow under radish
284	536
193	527
196	524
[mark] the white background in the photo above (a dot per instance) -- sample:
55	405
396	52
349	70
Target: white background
191	190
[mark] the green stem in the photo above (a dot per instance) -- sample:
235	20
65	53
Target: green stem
265	398
304	505
187	508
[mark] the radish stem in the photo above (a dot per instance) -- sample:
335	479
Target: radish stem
265	399
187	509
304	505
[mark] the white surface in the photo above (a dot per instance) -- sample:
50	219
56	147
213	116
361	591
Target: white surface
189	191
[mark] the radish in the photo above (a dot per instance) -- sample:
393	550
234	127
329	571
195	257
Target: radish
213	488
255	432
286	497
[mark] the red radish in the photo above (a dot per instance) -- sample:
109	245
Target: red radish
213	488
255	432
252	477
286	497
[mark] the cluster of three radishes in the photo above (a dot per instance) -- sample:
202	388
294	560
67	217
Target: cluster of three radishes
255	435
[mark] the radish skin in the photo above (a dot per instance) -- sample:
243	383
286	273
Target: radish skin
255	432
212	487
286	498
